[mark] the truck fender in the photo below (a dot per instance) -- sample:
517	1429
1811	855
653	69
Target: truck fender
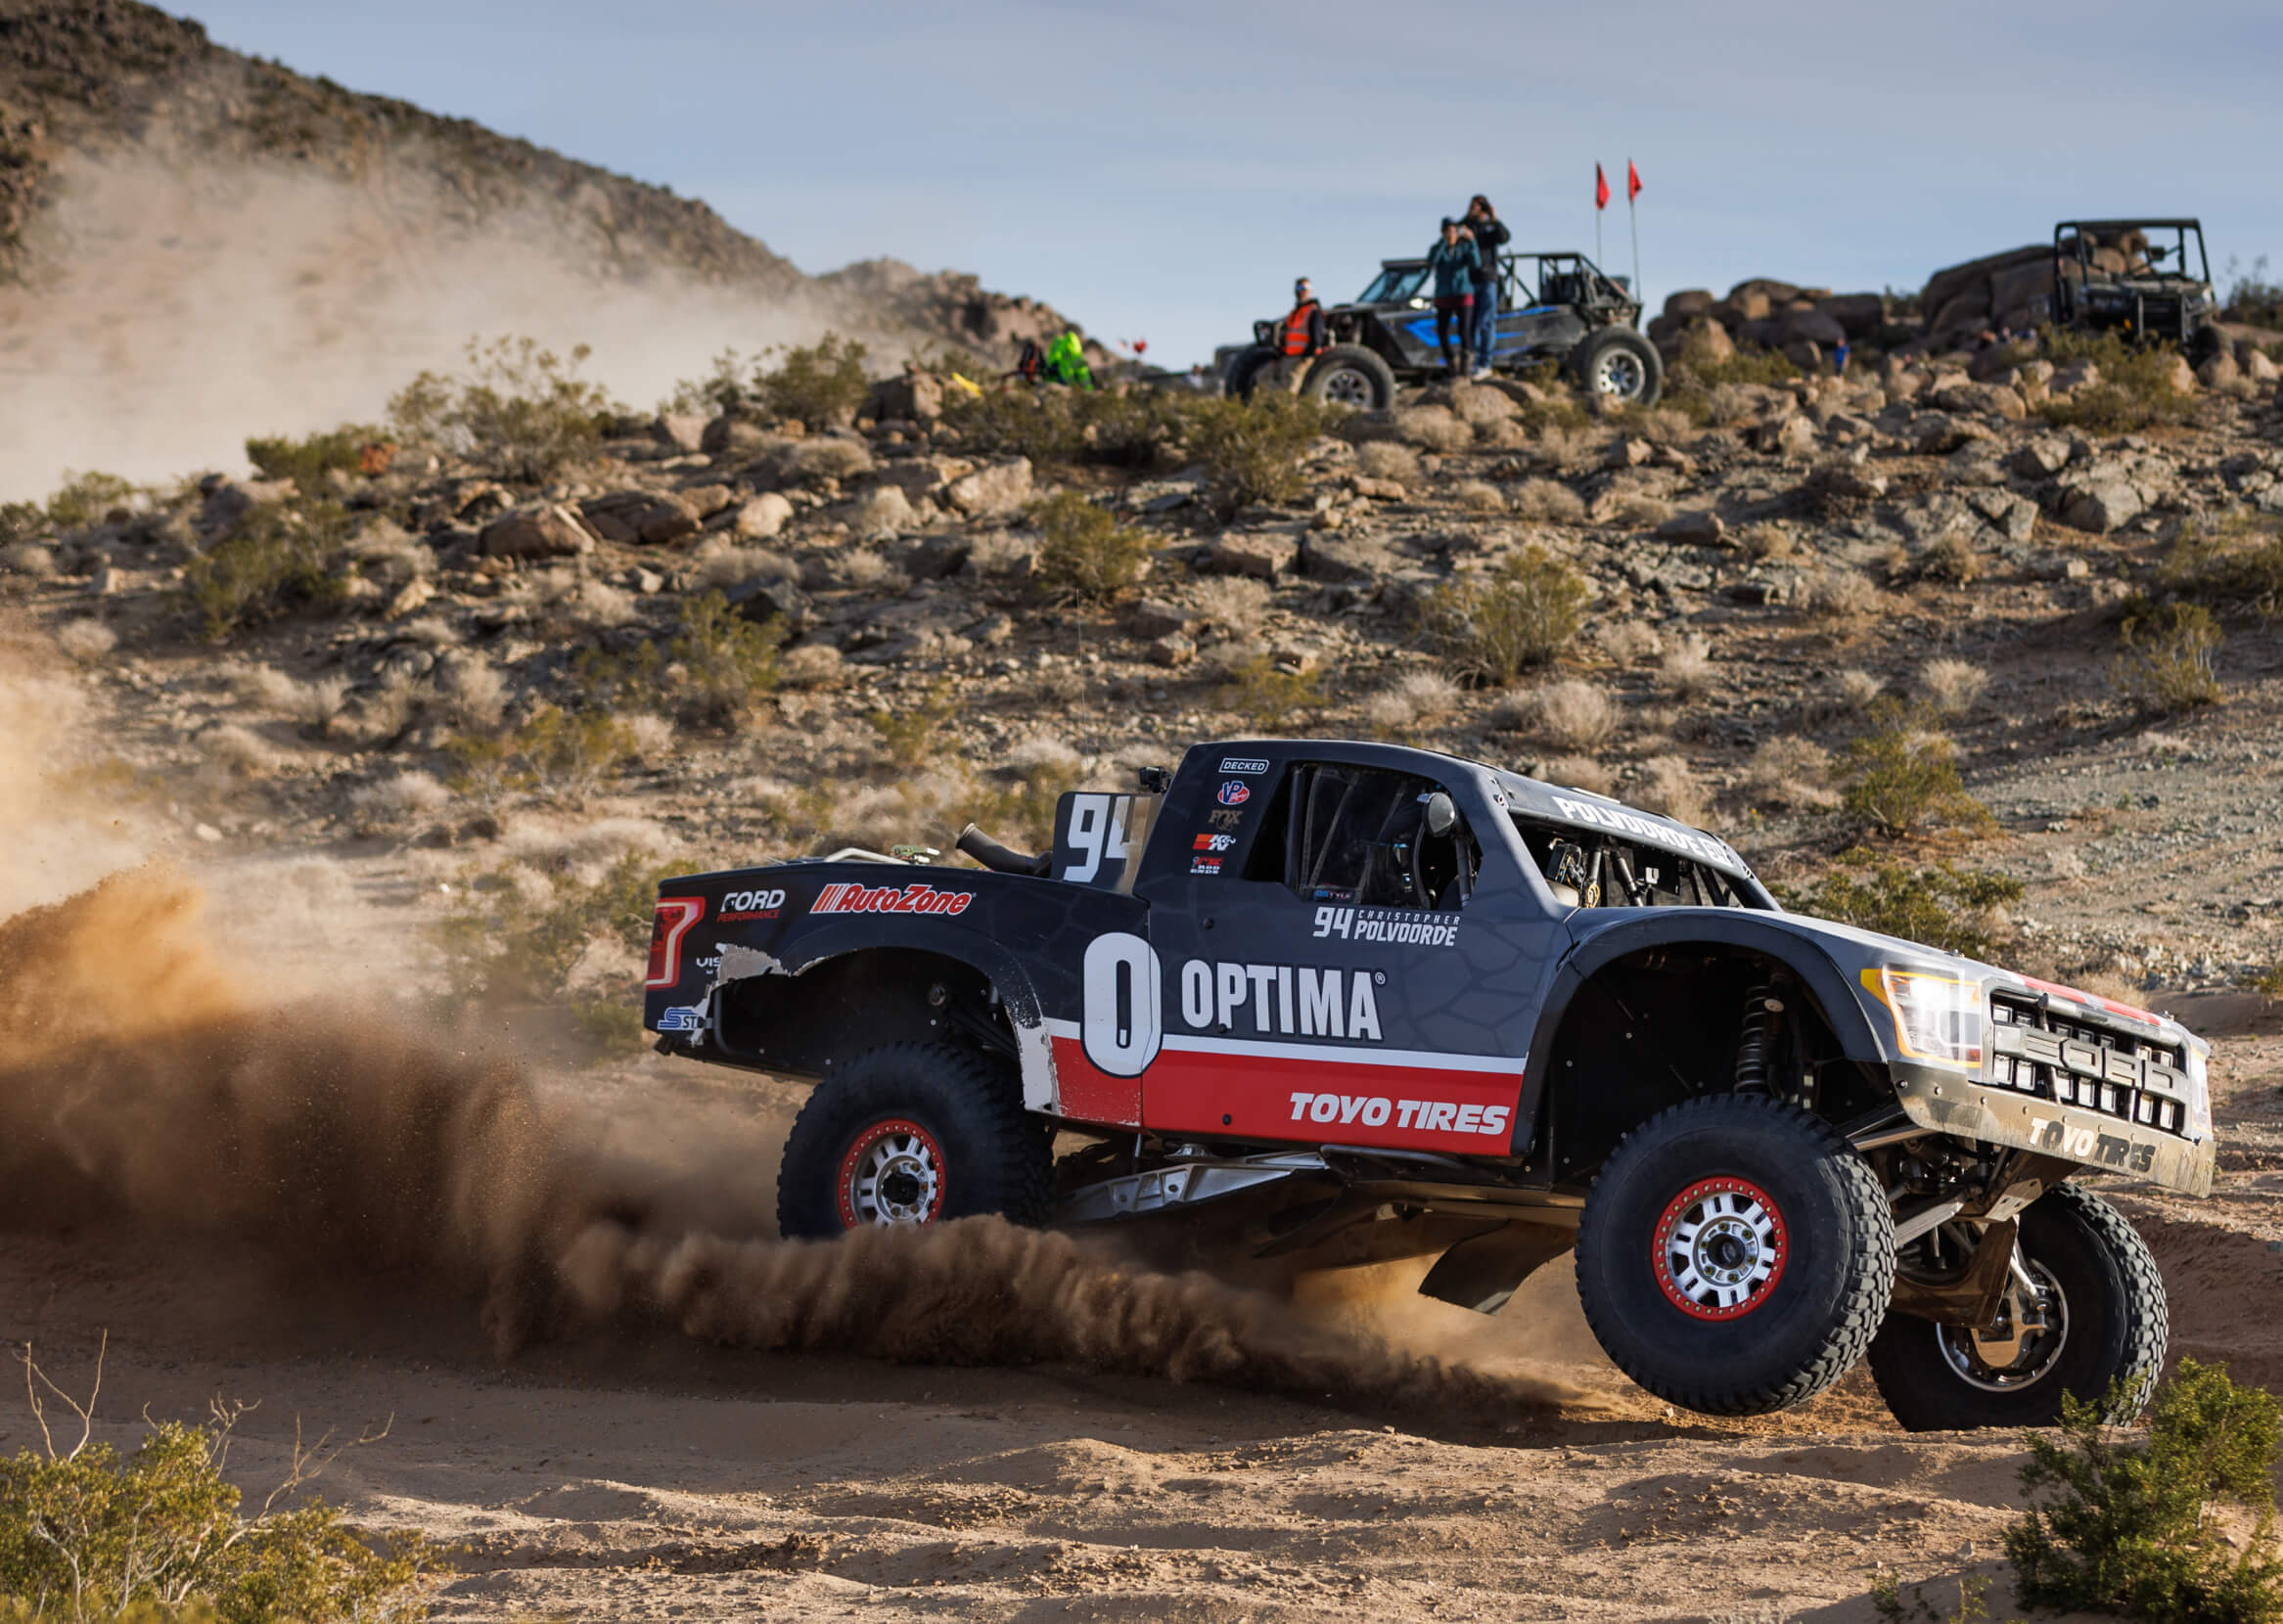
1752	932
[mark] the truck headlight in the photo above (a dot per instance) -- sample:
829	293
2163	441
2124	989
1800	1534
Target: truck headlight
1936	1017
2199	1095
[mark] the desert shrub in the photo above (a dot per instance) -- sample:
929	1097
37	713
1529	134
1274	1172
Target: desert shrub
2251	298
1751	364
1086	553
1640	510
1948	559
1766	541
1839	595
1388	459
725	386
1903	777
20	522
820	384
1942	906
714	667
911	729
84	498
1953	686
562	751
1415	699
1686	672
309	460
1548	501
1046	425
2132	1527
1668	785
2234	566
87	640
1433	428
530	953
1251	449
1576	772
1571	715
278	560
2268	983
2135	391
519	408
1479	496
87	1533
2166	660
1791	771
1630	642
1521	616
1270	699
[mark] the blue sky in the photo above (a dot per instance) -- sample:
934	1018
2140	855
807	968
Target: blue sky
1163	171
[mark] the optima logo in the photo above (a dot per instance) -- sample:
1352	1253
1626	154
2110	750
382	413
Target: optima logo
1280	1000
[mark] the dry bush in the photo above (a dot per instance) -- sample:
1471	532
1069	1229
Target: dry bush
724	564
1953	686
1949	558
882	511
238	749
813	462
1572	715
1040	754
87	640
28	557
1086	553
2234	565
1766	541
1505	435
1496	625
650	737
1431	428
474	690
400	799
1686	672
1630	642
1413	700
1570	447
313	704
861	566
811	665
597	604
517	408
1477	405
1229	604
1576	772
1642	511
2167	662
1388	459
1668	785
1856	689
1839	595
1252	450
1903	777
1548	501
1792	771
278	560
820	384
1480	496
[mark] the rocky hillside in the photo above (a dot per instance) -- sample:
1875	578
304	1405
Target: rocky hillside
197	245
2023	624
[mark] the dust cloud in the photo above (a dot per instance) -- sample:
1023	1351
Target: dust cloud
182	305
145	1082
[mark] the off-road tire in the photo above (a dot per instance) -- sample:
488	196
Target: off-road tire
2117	1326
986	1153
1619	365
1814	1307
1245	372
2206	342
1349	375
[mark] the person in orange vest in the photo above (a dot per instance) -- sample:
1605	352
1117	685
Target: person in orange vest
1304	329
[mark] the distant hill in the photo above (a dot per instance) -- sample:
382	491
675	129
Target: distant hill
196	245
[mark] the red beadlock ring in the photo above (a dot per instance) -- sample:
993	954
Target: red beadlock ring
1776	1244
844	1185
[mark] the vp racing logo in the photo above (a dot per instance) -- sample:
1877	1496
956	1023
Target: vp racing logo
1235	792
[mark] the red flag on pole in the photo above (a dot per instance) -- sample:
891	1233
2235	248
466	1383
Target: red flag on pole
1632	181
1600	188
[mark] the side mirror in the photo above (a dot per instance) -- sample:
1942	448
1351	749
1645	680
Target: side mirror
1441	816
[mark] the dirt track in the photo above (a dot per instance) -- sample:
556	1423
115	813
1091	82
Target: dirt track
632	1474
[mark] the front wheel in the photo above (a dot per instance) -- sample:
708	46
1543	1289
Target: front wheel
1349	375
908	1134
1735	1256
2089	1319
1620	367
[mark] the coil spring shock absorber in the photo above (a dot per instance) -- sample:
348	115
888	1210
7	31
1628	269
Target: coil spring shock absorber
1751	1043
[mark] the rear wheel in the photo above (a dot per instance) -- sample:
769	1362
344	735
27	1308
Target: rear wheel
1620	365
1735	1256
2091	1313
1349	375
908	1134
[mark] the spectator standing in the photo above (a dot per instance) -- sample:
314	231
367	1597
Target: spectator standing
1455	265
1488	234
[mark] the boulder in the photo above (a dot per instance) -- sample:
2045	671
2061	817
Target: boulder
683	431
883	509
914	396
1336	560
1000	487
1966	313
1847	482
2259	368
2101	504
2040	458
1741	307
733	436
708	500
1706	339
1808	325
1777	294
1693	530
2179	375
1174	649
640	517
770	600
1804	353
933	558
2023	292
1262	554
1627	453
2220	372
1689	301
1987	399
550	532
1859	315
2015	517
1153	617
2073	376
1975	274
763	517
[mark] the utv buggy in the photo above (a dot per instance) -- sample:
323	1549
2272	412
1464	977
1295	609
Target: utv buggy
2134	277
1562	308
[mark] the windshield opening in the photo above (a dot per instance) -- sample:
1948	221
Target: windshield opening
1394	283
1588	869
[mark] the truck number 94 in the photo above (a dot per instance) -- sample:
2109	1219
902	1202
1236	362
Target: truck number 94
1097	834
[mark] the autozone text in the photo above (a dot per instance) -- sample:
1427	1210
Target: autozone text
752	905
1439	1116
1287	1000
889	899
1377	924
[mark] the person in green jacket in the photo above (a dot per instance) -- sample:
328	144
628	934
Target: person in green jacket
1455	263
1065	362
